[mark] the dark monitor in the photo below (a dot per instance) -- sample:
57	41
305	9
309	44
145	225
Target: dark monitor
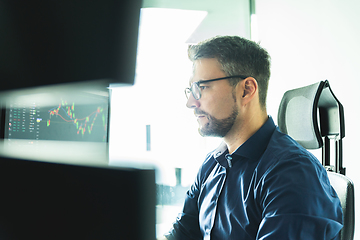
58	201
68	41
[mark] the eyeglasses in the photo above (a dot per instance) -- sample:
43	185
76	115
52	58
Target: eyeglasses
195	88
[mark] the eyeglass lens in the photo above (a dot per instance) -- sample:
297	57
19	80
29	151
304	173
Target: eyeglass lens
194	90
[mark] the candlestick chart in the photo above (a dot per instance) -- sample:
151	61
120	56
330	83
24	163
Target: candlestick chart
74	122
84	118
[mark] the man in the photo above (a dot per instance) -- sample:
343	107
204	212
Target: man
258	184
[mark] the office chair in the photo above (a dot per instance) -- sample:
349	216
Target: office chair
314	117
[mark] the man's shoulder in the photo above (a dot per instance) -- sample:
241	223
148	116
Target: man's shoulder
284	145
282	149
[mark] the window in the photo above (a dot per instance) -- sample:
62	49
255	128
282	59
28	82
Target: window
150	125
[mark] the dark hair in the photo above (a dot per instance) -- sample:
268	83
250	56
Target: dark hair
237	56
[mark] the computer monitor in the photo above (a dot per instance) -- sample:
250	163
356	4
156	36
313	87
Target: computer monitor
79	116
41	200
70	126
53	42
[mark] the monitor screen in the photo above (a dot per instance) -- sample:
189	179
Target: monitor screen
70	126
41	200
83	117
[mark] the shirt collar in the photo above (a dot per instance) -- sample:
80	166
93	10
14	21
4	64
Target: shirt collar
253	148
256	145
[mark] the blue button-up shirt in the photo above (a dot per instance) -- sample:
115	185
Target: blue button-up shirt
269	188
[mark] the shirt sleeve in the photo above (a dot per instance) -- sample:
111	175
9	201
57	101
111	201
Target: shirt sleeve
298	202
186	225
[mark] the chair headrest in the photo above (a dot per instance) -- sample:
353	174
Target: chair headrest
298	115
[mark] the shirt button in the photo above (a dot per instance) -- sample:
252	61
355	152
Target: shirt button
229	158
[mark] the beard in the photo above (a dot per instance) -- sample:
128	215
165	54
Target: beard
217	127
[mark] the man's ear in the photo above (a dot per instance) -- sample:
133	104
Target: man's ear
249	89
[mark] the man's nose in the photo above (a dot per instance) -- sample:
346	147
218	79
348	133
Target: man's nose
192	102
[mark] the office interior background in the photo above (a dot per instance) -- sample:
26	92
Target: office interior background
150	126
309	41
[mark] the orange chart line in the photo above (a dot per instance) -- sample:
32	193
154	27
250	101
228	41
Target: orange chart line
80	119
56	113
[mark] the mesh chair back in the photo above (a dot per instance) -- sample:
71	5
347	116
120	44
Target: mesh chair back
297	115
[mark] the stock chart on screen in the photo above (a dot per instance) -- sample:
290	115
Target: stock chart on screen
67	120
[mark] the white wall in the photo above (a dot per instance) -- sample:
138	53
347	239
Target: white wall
310	41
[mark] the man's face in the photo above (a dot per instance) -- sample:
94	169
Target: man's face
216	110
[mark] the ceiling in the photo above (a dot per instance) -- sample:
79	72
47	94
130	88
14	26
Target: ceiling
228	17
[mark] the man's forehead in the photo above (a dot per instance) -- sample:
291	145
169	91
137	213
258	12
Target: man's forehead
206	68
191	79
195	72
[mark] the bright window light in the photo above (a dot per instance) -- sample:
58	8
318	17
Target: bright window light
153	111
254	28
156	102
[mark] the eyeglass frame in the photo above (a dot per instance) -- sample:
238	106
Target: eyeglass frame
189	89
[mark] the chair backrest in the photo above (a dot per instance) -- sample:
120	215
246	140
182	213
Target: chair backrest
313	116
297	116
344	188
